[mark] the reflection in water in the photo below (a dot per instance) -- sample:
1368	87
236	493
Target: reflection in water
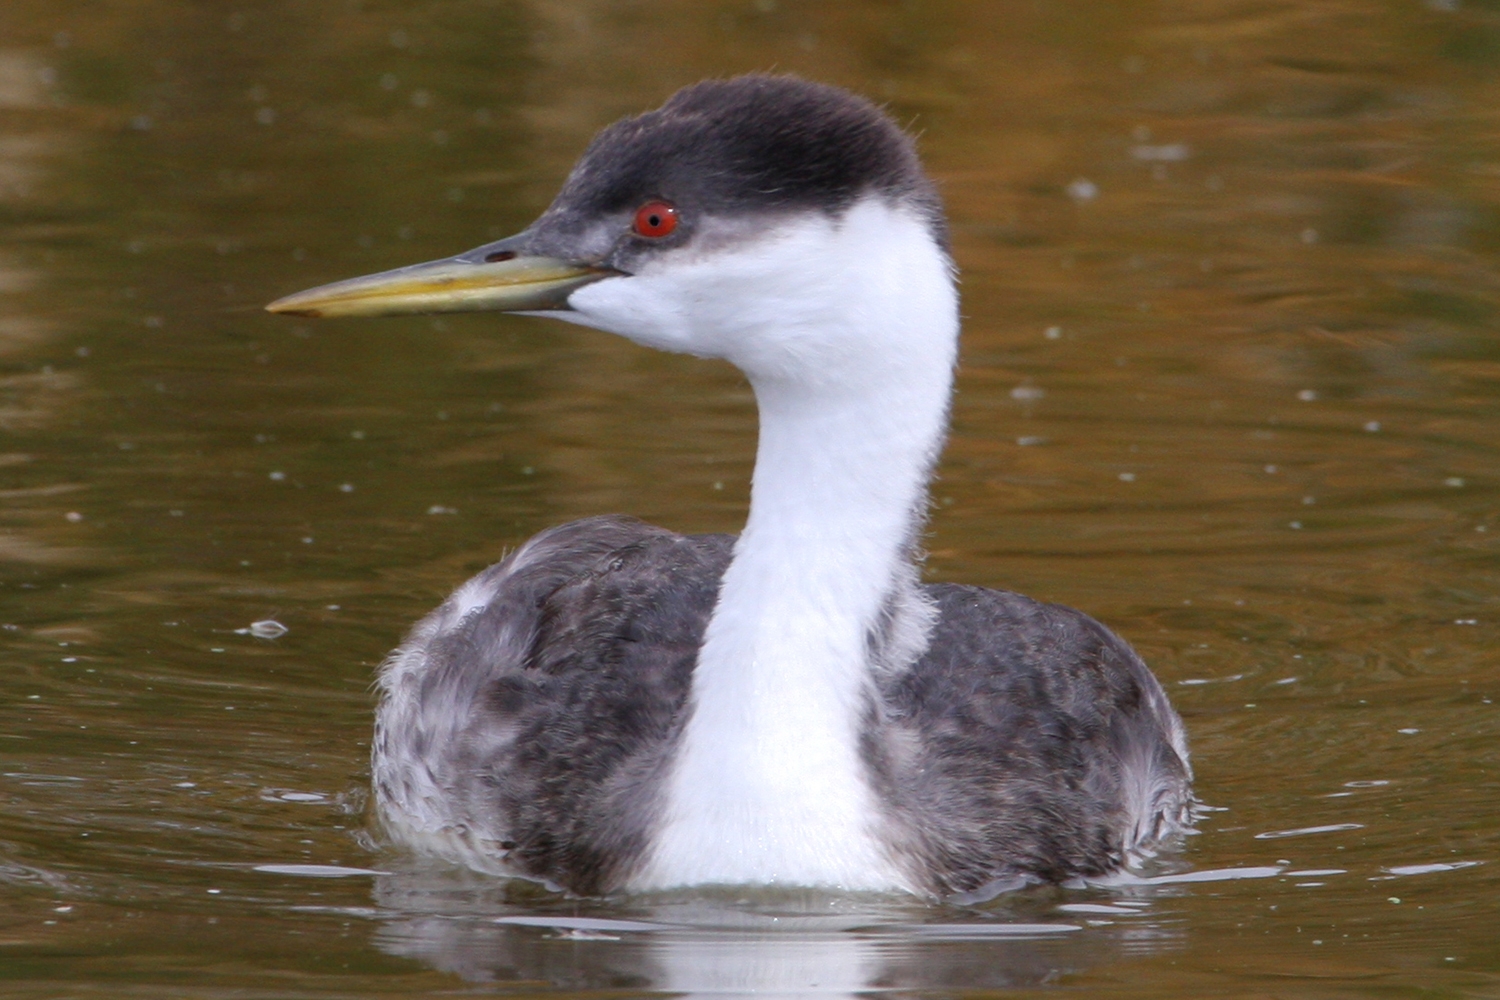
780	964
753	942
35	532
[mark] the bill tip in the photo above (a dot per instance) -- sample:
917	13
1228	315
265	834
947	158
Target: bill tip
283	308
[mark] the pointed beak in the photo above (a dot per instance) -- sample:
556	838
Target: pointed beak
485	280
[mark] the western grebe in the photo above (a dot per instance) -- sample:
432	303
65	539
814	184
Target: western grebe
618	707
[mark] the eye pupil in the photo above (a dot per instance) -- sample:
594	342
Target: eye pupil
655	219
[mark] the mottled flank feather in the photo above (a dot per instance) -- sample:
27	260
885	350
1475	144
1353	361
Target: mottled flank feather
527	724
1028	741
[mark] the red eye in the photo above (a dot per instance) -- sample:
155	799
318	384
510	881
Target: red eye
656	219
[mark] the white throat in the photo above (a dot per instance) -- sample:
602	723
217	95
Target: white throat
847	330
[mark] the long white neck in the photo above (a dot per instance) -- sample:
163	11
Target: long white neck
768	784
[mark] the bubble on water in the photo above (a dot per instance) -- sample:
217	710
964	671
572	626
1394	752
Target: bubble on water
1174	152
277	476
1372	426
438	508
268	628
1454	481
1082	190
1028	393
1127	477
1053	333
1212	680
1307	395
292	795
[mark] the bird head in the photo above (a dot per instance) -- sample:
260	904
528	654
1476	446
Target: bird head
766	220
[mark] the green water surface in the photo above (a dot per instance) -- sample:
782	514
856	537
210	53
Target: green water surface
1231	383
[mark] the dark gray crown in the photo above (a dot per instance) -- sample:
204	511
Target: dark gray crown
749	144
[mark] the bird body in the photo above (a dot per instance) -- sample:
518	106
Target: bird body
1027	741
617	707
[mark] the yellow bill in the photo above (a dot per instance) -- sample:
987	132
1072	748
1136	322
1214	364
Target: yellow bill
457	284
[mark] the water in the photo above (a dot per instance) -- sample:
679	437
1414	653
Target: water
1230	384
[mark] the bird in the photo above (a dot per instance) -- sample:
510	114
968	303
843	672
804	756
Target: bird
619	708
